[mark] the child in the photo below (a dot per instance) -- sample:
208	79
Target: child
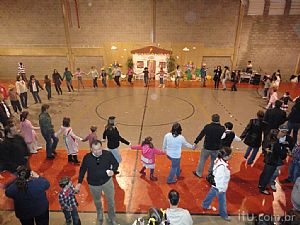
148	156
161	77
27	131
92	136
70	140
273	99
79	74
68	201
267	86
14	100
285	99
228	136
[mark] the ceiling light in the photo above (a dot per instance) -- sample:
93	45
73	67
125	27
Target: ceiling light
113	47
185	49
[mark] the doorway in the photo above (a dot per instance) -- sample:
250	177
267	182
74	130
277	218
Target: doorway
151	64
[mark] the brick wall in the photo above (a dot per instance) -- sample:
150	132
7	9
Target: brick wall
31	23
111	21
271	42
37	65
213	62
212	22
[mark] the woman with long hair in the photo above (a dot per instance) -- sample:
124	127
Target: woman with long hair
29	194
172	145
28	132
111	133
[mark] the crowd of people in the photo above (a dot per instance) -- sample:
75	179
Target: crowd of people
274	130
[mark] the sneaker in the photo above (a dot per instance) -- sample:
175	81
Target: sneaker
33	152
143	173
50	157
228	219
172	182
273	187
38	148
180	178
195	173
153	178
265	192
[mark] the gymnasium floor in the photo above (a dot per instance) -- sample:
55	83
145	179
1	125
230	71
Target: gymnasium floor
151	111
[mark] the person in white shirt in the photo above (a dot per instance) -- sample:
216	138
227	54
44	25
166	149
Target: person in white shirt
219	187
172	146
22	91
94	73
21	71
176	215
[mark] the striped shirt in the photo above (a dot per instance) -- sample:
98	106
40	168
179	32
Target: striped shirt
21	69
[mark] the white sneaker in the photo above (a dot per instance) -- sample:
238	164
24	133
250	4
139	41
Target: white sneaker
273	187
33	152
38	148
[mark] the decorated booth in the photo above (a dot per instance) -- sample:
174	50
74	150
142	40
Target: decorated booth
152	57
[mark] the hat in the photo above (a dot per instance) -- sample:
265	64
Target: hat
283	127
64	181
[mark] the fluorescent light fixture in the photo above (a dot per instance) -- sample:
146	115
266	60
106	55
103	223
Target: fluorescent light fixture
125	49
185	49
113	47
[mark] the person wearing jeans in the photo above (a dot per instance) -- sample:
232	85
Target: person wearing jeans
172	144
252	136
212	143
100	166
34	86
219	187
47	131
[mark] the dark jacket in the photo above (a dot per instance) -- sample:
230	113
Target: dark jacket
294	116
276	154
274	118
229	137
252	134
13	153
38	86
31	203
213	133
4	119
45	123
96	168
56	77
113	138
218	73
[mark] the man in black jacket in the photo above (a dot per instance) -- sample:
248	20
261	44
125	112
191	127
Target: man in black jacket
212	144
294	120
274	117
100	166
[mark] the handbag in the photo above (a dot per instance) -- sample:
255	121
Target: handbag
210	178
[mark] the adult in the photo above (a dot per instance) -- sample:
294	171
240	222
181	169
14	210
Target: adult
100	166
252	136
176	215
5	114
13	150
21	71
47	85
273	118
22	91
212	144
217	76
249	67
68	75
117	73
287	142
294	120
28	192
14	98
34	87
225	76
172	145
47	131
56	77
296	195
275	152
28	132
111	133
94	73
219	187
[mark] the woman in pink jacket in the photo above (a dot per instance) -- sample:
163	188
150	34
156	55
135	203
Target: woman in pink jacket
27	131
148	156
